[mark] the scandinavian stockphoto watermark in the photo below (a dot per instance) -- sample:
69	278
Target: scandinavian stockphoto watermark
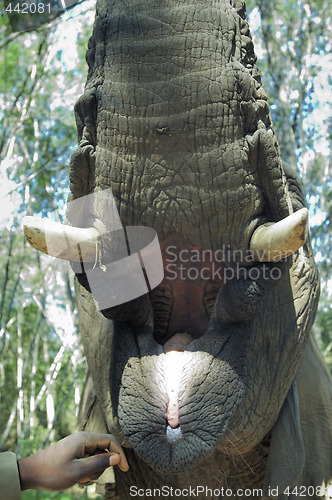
194	492
195	264
225	492
123	263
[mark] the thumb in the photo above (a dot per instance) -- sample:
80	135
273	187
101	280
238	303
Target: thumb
96	464
114	459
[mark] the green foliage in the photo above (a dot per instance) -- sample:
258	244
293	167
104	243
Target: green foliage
41	366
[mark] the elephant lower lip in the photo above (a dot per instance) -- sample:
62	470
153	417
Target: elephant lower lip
164	447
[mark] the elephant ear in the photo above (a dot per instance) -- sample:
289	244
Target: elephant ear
287	454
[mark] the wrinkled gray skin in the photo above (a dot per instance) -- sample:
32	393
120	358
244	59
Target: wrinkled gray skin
174	120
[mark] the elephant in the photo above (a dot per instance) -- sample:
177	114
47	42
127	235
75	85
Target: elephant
212	381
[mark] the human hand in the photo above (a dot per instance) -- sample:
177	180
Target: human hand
64	463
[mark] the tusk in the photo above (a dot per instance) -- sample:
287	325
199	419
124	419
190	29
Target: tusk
76	244
275	241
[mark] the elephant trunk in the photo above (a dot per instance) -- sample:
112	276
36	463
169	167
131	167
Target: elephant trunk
173	111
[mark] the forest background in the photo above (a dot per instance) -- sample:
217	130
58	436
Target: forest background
43	72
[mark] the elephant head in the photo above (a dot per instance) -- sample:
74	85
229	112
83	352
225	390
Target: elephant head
175	122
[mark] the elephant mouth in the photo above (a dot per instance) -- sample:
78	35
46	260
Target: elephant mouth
169	407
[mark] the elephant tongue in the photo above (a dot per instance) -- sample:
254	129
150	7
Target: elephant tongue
174	361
